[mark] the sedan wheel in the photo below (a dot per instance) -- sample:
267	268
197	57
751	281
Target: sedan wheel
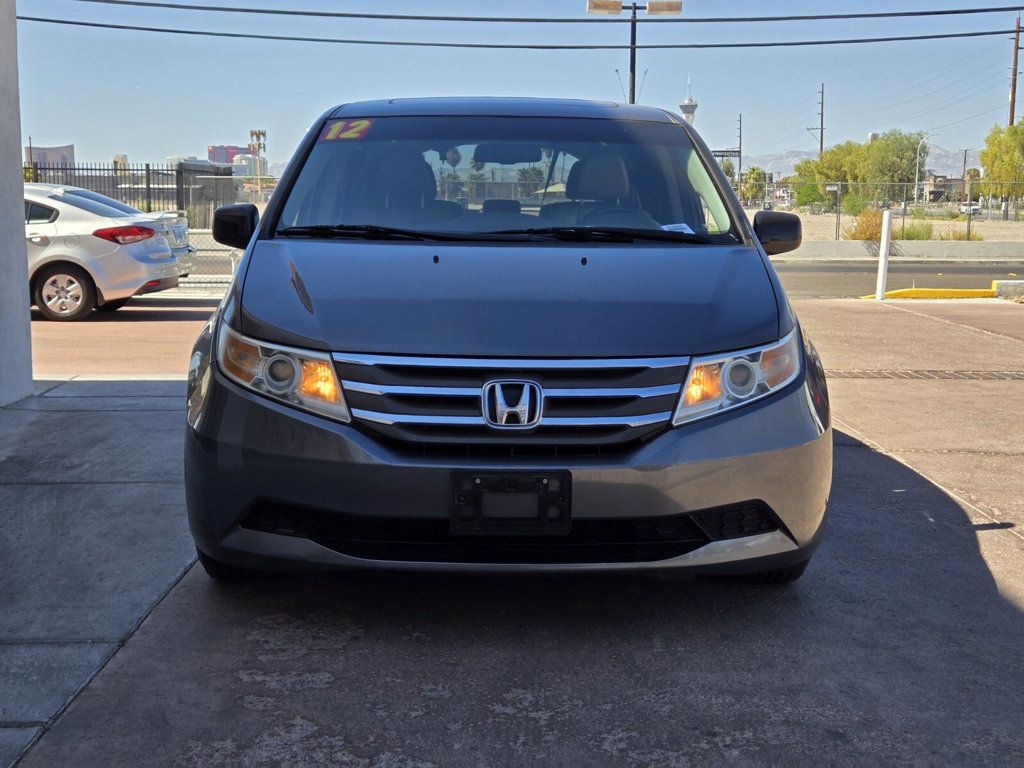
65	293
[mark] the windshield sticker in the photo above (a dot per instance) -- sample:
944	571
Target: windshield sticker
339	130
684	228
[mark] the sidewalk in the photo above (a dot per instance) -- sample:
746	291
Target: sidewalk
897	646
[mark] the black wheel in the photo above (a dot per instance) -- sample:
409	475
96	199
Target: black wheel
220	571
780	575
64	292
113	306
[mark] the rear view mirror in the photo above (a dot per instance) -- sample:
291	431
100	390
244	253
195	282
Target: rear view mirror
233	225
507	153
778	232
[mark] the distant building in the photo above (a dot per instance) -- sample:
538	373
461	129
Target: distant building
120	161
873	137
59	156
689	106
224	153
249	165
937	188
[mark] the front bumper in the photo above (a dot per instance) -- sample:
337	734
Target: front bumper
244	450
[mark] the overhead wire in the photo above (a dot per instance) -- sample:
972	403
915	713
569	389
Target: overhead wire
512	46
564	20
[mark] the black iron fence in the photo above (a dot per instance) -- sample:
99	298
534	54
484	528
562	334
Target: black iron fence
197	189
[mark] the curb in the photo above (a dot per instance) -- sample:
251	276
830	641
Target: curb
938	293
1008	289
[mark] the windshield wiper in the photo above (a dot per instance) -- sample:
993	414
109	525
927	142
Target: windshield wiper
364	231
611	234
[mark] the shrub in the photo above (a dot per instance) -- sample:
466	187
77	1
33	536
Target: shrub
960	234
868	226
922	230
854	204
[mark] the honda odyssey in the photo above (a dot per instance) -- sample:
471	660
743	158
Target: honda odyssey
506	335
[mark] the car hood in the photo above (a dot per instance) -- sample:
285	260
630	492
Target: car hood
507	300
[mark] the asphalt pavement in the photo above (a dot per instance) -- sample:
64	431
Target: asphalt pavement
898	645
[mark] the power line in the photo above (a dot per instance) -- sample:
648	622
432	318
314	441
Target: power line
515	46
580	20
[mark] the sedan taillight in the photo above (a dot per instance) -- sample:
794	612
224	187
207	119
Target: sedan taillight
125	235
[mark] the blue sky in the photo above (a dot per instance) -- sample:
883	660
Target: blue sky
151	95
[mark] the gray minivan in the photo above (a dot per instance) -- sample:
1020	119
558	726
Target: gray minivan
506	335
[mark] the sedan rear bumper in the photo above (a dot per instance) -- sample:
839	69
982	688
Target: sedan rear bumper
245	455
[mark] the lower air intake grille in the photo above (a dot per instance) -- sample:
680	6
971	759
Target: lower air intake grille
736	521
591	540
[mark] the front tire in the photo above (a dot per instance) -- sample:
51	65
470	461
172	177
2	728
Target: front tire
64	292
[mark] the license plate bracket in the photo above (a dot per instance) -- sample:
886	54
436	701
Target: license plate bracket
511	503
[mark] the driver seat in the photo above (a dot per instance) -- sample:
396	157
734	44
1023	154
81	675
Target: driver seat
595	183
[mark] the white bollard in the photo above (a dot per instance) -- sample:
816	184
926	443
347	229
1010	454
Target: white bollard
883	255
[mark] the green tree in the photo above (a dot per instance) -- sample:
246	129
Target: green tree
530	175
453	157
754	181
1003	161
729	169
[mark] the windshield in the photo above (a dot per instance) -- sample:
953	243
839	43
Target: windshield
506	175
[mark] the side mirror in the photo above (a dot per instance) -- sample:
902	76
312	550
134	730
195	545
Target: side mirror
778	232
233	225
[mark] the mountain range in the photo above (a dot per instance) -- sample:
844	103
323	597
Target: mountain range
944	162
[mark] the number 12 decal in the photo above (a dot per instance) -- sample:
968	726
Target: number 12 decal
339	130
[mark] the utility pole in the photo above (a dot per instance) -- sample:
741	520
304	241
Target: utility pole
258	143
821	123
963	179
1013	76
820	130
739	175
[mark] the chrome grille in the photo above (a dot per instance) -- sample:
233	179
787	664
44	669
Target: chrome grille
439	400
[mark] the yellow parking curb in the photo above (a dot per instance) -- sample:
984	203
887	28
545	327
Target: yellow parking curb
938	293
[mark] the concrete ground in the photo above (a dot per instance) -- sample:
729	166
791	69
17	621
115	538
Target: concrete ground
898	646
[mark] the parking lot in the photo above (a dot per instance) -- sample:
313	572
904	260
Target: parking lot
899	645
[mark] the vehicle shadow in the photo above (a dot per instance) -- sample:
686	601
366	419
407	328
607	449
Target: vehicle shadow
163	310
896	647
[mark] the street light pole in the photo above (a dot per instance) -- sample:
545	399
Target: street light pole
917	173
652	7
632	53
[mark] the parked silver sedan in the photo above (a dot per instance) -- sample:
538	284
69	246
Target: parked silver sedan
172	224
84	254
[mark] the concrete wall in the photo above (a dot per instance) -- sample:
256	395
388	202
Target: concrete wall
15	334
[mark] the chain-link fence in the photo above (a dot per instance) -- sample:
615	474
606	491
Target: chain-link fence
936	209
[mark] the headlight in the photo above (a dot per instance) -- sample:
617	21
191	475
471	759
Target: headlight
299	377
721	382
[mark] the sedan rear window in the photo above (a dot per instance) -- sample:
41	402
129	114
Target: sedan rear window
472	174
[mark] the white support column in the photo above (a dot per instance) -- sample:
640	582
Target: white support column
883	255
15	329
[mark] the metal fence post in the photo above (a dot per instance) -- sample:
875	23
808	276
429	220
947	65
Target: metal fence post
149	189
883	255
839	207
179	186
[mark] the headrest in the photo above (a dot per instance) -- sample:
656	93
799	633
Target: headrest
602	177
502	206
406	173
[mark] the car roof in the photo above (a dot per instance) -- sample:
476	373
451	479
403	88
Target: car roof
502	107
